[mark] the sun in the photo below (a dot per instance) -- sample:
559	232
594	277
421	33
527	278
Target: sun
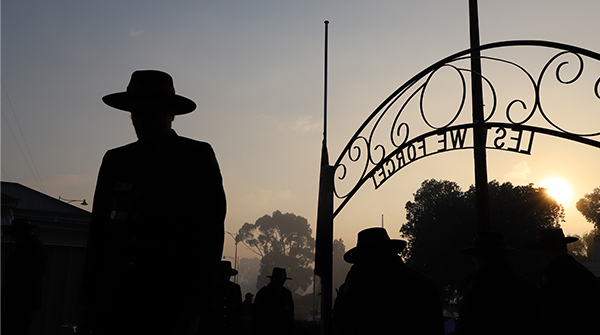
558	189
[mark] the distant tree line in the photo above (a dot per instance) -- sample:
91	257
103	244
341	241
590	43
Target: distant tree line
584	250
440	221
589	206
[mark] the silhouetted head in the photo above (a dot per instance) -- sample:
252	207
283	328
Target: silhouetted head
150	98
488	247
373	243
278	276
226	271
551	242
248	297
152	118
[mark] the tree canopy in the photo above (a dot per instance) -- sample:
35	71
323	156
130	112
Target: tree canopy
281	240
589	206
441	221
583	249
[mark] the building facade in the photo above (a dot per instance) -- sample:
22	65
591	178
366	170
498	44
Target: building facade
63	228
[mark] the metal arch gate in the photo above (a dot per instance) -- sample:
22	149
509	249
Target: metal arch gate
378	161
379	165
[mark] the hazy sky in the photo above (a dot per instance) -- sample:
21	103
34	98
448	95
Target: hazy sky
255	70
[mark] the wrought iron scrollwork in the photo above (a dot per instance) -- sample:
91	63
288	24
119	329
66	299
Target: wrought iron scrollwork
368	150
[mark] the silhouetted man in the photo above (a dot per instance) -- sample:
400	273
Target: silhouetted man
498	299
383	295
156	235
274	306
247	312
570	292
22	278
227	311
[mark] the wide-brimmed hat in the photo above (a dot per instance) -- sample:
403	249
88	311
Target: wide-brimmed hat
487	242
550	238
150	83
18	225
227	269
374	239
279	273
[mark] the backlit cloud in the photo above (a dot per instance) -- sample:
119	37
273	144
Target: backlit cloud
519	172
135	32
304	124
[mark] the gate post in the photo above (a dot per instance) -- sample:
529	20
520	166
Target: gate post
479	131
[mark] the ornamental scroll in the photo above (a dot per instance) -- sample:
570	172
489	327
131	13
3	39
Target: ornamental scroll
521	99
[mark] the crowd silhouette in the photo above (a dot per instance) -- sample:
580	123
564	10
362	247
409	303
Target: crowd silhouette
496	289
274	306
570	292
153	263
382	293
227	309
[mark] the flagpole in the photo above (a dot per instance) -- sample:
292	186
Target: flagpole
325	219
325	84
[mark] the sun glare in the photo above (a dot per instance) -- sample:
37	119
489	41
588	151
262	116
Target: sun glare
558	189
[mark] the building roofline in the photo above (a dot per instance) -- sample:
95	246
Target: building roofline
31	200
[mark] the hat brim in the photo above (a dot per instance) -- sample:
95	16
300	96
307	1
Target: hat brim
351	256
537	245
120	100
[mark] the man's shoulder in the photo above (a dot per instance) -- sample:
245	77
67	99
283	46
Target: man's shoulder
124	149
562	263
409	270
262	291
234	286
186	142
566	267
176	142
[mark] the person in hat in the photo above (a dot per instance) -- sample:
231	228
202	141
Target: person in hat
383	295
274	306
227	311
498	299
247	312
22	277
570	292
156	233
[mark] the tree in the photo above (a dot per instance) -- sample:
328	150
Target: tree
281	240
583	249
589	206
441	221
